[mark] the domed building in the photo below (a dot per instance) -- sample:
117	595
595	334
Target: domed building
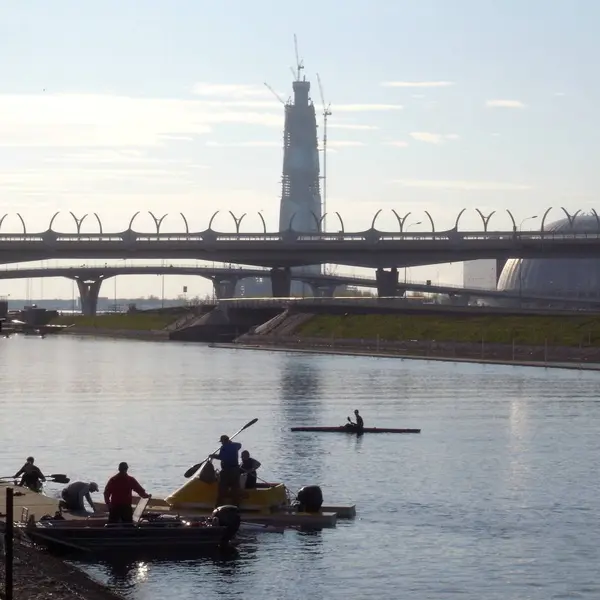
563	277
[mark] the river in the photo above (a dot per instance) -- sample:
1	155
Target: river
497	498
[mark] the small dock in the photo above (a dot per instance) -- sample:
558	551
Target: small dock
29	503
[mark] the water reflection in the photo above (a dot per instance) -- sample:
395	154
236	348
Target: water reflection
300	401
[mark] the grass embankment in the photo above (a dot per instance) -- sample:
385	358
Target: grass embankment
554	330
136	321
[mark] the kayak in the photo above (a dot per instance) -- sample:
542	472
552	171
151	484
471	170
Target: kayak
344	429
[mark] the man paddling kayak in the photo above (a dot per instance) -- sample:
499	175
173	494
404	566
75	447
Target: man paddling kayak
358	426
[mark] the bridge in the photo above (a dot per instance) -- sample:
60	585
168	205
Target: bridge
225	279
284	250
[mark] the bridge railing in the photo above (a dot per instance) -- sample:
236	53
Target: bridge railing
370	237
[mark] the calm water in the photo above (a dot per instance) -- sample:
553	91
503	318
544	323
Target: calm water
496	499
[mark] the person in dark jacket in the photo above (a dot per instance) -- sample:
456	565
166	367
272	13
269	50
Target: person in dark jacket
358	426
248	467
229	476
75	493
32	477
118	495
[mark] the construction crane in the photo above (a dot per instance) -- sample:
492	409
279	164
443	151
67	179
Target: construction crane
299	63
326	113
274	93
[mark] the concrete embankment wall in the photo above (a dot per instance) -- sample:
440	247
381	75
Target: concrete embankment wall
138	334
224	324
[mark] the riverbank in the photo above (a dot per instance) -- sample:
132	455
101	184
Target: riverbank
294	346
38	575
570	340
138	325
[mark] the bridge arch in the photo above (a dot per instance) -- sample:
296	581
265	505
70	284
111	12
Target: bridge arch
544	219
570	217
485	220
157	221
314	216
20	219
593	211
460	214
322	220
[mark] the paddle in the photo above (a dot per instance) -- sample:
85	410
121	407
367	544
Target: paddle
55	478
193	469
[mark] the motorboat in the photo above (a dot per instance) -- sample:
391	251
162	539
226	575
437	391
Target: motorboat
150	535
200	493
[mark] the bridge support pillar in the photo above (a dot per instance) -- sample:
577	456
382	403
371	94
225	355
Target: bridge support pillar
387	282
459	299
281	282
323	290
224	287
500	262
89	290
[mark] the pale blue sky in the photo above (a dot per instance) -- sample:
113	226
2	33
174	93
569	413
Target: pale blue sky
116	107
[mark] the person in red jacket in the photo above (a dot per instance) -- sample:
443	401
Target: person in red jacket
118	495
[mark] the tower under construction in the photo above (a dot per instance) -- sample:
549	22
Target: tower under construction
300	208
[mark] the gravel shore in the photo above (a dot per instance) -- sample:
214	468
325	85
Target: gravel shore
39	576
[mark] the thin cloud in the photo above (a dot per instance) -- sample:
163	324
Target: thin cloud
365	107
397	144
231	90
432	138
249	144
463	185
105	120
352	126
417	84
344	144
504	104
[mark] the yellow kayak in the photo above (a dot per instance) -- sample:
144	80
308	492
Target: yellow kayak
200	493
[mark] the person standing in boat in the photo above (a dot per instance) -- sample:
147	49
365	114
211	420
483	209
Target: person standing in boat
359	425
118	495
32	477
248	467
229	476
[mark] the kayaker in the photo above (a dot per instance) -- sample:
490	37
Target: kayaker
359	425
229	476
32	477
248	467
75	493
118	495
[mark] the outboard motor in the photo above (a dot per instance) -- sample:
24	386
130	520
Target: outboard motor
228	516
310	499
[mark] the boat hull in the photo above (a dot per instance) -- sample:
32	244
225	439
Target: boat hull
95	537
198	495
344	429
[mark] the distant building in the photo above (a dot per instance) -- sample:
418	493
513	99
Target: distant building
560	277
300	207
480	274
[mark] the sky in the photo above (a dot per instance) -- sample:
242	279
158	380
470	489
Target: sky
116	107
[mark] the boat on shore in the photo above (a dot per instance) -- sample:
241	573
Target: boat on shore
346	429
149	535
